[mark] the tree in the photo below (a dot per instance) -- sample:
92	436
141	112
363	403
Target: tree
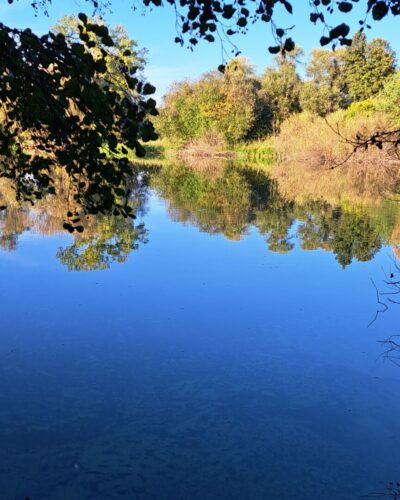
367	66
224	103
238	107
61	111
123	53
326	91
391	97
188	109
280	89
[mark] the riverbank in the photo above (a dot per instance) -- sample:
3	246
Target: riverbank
303	137
260	150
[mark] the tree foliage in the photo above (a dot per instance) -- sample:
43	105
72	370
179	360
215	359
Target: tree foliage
391	97
367	66
209	19
123	53
280	89
224	103
325	91
61	110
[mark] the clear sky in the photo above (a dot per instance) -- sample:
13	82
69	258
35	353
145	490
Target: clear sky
169	62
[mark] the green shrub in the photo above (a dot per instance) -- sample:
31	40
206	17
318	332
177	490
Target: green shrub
366	108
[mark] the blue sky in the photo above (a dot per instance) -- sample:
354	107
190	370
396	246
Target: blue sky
168	62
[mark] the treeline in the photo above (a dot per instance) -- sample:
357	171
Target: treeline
239	106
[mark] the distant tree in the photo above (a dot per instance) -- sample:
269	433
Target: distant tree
237	112
280	89
326	89
390	97
224	103
368	66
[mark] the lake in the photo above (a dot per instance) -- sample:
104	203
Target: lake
219	346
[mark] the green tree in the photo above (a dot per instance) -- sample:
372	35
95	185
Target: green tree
367	66
221	103
124	52
391	97
237	114
61	112
326	89
280	89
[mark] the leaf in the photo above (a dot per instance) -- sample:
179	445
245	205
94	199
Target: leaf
274	50
83	17
342	30
379	10
228	11
288	6
148	89
324	40
345	6
289	45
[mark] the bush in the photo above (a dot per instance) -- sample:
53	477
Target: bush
367	108
227	103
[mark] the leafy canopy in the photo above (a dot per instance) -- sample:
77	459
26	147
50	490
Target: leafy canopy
74	104
216	19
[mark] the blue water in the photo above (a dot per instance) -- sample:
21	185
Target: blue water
201	368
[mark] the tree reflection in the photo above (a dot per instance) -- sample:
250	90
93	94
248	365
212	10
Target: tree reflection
113	241
104	239
347	234
235	198
226	198
221	203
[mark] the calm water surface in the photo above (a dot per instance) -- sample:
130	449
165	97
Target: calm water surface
220	359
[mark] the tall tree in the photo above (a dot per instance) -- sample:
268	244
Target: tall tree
326	89
280	88
367	66
224	103
61	110
123	53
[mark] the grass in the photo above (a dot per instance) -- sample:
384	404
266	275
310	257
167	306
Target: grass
261	149
308	138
